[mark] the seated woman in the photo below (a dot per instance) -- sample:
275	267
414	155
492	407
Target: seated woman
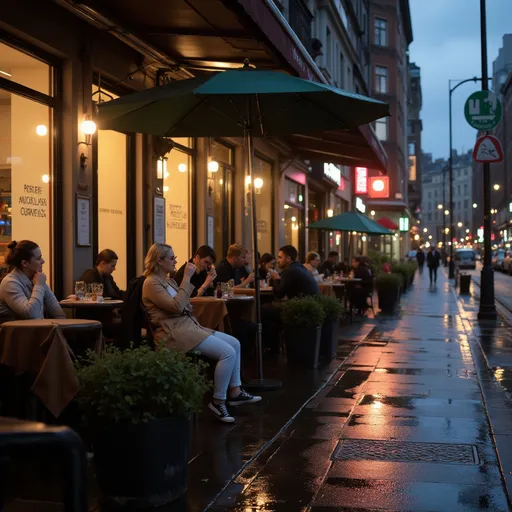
312	263
267	266
102	273
24	293
170	312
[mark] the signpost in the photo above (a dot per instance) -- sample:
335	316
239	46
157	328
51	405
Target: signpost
483	110
488	150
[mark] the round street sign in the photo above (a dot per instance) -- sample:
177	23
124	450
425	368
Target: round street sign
483	110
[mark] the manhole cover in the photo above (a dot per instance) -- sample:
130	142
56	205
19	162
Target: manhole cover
397	451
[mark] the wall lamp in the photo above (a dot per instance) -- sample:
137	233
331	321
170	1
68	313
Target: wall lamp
88	129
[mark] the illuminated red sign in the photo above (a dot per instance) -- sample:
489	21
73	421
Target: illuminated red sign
378	187
361	180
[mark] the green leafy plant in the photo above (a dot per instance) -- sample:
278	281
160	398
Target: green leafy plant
302	312
138	385
332	307
403	270
389	282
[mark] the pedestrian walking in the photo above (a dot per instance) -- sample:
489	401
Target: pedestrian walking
420	258
433	258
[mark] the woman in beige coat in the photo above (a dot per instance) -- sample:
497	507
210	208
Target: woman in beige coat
170	312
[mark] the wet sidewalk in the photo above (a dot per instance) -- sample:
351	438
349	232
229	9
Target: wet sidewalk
402	425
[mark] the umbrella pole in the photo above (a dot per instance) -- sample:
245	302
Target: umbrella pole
258	384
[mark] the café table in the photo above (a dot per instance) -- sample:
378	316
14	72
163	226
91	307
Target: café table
39	347
267	290
215	313
327	289
106	305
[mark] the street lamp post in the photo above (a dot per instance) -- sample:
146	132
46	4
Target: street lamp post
487	309
445	168
451	268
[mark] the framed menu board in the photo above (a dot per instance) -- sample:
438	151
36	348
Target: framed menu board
83	220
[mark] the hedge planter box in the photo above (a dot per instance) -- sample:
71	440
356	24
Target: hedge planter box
388	300
145	464
303	345
329	339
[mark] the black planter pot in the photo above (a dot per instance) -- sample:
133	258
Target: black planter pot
329	339
143	465
303	345
388	300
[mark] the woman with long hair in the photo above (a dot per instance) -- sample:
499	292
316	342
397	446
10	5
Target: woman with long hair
170	312
24	293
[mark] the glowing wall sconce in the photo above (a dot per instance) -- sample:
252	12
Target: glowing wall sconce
258	183
213	166
330	212
41	130
89	129
161	168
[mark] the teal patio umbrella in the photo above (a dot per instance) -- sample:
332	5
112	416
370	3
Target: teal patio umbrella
351	222
247	103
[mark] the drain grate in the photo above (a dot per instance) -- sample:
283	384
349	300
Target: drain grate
396	451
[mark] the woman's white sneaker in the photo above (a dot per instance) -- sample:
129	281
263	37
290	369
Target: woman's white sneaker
243	398
220	411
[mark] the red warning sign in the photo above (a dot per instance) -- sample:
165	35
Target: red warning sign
488	150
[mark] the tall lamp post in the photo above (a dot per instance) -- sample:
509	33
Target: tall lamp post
487	309
451	268
445	168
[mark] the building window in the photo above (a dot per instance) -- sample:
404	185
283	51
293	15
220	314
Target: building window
412	148
381	79
328	49
381	128
264	209
294	215
381	32
26	154
341	76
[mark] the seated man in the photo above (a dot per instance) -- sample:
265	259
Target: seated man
360	291
205	274
227	268
295	279
328	267
102	273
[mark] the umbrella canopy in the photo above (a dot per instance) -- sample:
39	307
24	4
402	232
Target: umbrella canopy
351	221
229	103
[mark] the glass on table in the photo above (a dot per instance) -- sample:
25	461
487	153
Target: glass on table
80	290
231	288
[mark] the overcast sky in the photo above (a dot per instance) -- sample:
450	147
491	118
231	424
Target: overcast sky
447	46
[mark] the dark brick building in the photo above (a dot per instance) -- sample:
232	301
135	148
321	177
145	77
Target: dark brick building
414	128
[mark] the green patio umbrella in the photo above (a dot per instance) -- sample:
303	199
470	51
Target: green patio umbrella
243	102
351	221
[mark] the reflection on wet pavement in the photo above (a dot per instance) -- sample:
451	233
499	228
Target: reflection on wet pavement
411	382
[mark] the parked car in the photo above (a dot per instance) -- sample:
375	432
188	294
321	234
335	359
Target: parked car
497	259
507	262
465	258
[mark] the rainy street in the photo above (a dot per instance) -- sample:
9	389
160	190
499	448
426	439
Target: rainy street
401	426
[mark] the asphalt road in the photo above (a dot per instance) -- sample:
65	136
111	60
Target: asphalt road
502	286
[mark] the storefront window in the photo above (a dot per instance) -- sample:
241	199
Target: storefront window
263	188
111	179
294	216
26	159
315	207
221	183
177	174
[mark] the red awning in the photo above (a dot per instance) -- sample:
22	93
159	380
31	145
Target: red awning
387	223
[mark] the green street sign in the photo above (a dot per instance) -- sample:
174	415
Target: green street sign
483	110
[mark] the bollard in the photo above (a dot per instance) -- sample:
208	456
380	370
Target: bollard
464	284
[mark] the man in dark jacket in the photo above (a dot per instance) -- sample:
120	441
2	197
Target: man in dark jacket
102	273
295	279
420	258
230	267
433	258
329	266
205	274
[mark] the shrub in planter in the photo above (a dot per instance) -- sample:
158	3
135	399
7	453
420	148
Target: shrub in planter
137	404
388	290
403	270
329	337
302	320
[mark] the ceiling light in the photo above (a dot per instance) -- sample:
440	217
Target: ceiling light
182	167
41	130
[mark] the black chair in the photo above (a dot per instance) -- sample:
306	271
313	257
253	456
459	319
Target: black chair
22	440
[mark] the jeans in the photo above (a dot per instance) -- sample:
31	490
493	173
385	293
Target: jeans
226	351
432	274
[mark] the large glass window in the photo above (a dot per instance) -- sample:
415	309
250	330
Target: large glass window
315	209
26	159
263	187
177	174
221	183
294	216
382	128
111	185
